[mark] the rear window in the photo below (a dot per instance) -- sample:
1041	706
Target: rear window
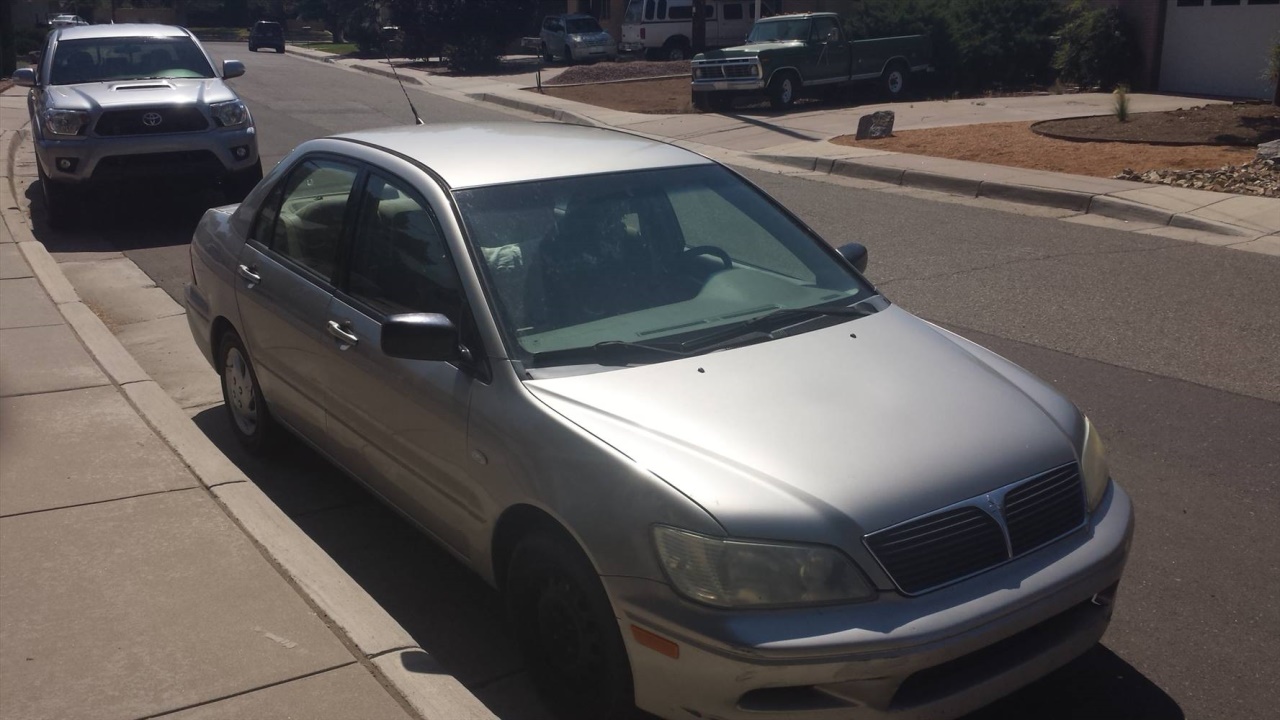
102	59
268	29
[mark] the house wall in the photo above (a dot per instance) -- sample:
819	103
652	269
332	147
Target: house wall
1218	49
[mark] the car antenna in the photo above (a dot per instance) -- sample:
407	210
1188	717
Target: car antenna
417	119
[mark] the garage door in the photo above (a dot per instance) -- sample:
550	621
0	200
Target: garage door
1219	47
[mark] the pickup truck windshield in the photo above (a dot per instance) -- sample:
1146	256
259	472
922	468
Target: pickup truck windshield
779	31
116	58
664	258
577	26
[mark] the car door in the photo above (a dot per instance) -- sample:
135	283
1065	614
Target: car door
832	61
400	424
285	283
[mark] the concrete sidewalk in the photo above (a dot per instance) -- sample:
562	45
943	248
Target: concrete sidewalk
799	140
141	574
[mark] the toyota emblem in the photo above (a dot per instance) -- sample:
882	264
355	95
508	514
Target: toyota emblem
152	119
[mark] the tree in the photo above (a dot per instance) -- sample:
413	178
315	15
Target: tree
335	13
1095	47
699	39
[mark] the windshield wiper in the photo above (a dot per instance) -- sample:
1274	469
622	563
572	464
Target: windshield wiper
751	331
607	352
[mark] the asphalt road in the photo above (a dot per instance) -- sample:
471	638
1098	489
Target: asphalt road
1172	348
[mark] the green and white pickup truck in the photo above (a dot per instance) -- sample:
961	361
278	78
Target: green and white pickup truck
790	55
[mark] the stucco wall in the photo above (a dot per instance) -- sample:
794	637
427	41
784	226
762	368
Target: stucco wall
1218	49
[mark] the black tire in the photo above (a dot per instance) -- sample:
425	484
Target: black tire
247	412
702	101
61	202
280	49
720	102
546	54
784	88
896	80
240	183
566	628
568	55
253	48
676	48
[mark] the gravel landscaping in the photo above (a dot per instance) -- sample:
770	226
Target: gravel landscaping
613	71
1240	124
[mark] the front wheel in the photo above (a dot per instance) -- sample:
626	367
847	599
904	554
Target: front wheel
568	55
60	201
546	53
783	89
242	396
896	80
567	630
240	183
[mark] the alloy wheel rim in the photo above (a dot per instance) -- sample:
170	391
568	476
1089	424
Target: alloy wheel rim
786	90
895	81
240	391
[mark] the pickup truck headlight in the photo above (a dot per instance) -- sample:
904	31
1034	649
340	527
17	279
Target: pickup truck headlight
1093	466
65	122
230	114
739	573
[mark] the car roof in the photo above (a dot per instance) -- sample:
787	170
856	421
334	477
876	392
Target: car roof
497	153
120	30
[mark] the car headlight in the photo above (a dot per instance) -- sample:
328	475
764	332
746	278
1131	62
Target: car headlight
1093	466
739	573
65	122
230	114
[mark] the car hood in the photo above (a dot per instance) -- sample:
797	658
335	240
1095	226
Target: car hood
825	436
134	93
750	50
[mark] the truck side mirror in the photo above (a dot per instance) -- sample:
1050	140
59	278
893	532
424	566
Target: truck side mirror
833	35
24	77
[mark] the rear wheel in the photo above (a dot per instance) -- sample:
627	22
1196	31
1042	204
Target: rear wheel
896	80
253	48
568	55
567	630
242	396
783	90
546	53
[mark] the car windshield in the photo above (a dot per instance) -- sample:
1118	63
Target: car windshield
664	258
101	59
581	25
779	30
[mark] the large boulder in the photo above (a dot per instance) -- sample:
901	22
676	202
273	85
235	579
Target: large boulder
1269	151
876	125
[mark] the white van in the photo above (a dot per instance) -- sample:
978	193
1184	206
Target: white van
663	29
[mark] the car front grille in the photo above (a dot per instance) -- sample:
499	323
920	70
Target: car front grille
720	72
151	121
980	533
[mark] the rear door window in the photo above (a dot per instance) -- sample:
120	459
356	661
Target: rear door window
307	227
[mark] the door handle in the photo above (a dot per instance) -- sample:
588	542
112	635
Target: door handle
342	334
249	275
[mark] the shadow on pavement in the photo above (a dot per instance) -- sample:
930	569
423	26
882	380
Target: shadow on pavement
125	217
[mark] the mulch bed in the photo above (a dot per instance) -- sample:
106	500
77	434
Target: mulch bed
1241	124
610	71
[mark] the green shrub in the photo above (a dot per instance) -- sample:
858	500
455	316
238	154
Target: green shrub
1121	95
25	40
977	44
473	54
1096	47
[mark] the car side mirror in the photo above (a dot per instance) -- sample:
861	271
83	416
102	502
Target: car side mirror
25	77
232	69
420	336
855	254
833	35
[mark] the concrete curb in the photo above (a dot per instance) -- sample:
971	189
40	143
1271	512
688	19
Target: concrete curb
1082	202
409	79
565	116
432	694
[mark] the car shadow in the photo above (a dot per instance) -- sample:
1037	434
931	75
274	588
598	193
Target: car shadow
124	217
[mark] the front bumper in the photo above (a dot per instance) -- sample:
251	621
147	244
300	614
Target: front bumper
201	155
744	85
936	656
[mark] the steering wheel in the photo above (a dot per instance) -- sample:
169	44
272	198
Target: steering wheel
713	251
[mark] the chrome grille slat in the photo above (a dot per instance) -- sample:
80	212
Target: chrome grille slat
975	535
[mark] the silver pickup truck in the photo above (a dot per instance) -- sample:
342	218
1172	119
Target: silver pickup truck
134	101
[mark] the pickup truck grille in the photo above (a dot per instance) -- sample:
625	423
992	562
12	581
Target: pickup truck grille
722	72
151	121
981	533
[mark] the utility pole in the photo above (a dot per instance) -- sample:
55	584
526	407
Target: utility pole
699	25
8	52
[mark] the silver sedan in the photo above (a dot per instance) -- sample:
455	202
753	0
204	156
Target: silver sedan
713	471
